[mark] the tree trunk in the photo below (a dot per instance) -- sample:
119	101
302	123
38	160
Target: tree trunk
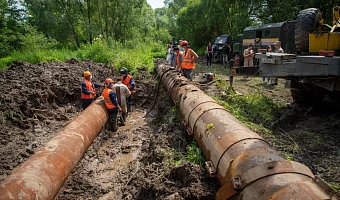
68	17
107	19
100	19
89	20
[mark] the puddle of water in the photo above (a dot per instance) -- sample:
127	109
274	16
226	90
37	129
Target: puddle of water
134	120
123	160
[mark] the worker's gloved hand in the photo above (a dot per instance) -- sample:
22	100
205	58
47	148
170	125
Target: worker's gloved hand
133	92
92	92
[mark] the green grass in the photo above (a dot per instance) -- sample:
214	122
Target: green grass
335	186
255	110
118	54
173	157
194	154
175	116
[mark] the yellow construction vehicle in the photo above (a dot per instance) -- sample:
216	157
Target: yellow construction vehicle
313	35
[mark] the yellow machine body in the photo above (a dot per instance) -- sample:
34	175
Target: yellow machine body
324	41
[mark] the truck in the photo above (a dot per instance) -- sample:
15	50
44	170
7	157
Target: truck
220	51
263	35
311	62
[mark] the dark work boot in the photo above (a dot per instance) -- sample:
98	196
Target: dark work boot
128	108
124	115
115	128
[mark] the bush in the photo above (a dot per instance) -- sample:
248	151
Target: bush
201	51
139	55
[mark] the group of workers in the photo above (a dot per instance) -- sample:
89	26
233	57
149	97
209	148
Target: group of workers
117	96
185	59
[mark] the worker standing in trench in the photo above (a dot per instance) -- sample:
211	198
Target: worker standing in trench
122	93
111	104
88	90
130	83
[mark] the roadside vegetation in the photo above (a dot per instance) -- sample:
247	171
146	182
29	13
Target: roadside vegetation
256	110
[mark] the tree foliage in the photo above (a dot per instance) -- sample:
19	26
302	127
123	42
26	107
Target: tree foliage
11	27
200	21
83	21
72	23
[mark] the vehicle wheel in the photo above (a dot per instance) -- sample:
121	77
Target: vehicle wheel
301	96
306	23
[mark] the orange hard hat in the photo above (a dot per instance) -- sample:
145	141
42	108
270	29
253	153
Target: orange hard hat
184	42
87	73
108	81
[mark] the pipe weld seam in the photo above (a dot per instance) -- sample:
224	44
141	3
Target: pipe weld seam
263	171
274	168
232	144
205	111
199	105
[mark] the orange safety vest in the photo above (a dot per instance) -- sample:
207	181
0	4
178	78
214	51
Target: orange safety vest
89	86
177	58
108	102
126	81
187	62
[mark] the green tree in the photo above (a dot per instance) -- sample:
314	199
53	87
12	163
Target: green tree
12	26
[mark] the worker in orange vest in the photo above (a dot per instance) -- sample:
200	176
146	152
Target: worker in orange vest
88	90
179	58
189	59
130	83
111	104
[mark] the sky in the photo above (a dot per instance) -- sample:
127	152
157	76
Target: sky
156	3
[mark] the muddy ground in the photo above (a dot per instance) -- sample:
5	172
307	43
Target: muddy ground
146	158
143	160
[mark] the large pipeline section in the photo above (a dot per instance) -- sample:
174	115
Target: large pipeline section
245	165
43	174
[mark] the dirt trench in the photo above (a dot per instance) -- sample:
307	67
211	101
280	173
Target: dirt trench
143	160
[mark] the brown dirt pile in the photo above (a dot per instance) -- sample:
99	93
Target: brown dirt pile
36	101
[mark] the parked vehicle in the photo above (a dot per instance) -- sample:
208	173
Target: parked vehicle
222	49
315	71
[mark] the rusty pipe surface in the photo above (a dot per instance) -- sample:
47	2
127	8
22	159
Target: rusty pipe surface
44	173
245	164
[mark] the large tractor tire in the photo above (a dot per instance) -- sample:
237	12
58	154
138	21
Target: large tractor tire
306	23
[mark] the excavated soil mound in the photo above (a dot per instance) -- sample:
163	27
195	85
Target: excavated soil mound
36	101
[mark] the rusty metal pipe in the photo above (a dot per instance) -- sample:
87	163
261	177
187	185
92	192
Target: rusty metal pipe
43	174
246	166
